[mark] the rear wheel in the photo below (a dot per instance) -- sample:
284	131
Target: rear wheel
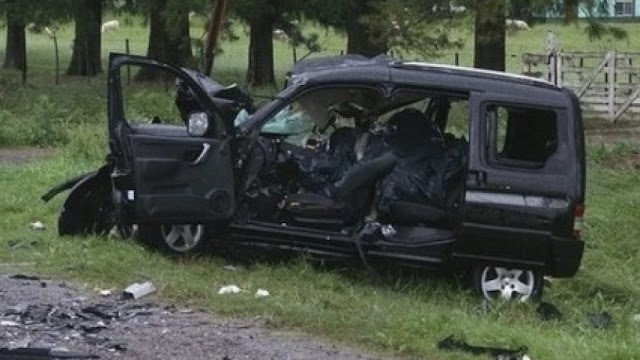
176	239
495	282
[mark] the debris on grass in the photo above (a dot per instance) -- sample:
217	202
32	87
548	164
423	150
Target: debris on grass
24	277
636	318
261	293
548	312
229	289
138	290
231	267
450	343
104	292
600	321
37	225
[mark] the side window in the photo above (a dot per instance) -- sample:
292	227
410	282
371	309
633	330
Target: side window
448	111
458	119
521	136
150	96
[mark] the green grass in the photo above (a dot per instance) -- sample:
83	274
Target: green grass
391	311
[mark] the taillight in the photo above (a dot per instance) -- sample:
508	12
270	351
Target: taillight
578	219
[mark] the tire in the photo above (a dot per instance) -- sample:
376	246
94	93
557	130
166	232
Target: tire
494	282
175	239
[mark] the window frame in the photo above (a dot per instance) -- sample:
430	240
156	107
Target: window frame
491	154
628	5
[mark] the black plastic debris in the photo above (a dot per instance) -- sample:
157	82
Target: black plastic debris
548	312
602	320
101	311
24	277
42	353
452	344
36	313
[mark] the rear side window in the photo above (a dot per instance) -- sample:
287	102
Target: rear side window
521	136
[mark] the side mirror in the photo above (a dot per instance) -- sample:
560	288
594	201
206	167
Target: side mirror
198	124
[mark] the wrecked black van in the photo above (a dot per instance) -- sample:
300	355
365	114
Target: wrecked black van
418	164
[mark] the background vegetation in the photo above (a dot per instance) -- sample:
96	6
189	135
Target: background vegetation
405	313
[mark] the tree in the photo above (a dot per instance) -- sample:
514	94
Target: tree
169	40
489	48
411	28
86	58
214	31
35	14
262	16
16	50
360	34
571	11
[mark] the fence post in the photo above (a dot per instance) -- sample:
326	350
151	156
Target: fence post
127	50
559	70
57	55
612	83
295	54
456	59
24	67
553	68
86	59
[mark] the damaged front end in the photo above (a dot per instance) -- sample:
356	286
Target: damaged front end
89	207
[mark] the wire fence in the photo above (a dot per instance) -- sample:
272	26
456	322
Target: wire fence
48	60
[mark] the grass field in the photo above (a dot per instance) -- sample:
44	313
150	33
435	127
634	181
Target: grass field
405	313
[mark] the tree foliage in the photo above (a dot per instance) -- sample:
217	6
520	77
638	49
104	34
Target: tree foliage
412	27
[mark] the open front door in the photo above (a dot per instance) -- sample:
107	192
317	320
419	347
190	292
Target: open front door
163	174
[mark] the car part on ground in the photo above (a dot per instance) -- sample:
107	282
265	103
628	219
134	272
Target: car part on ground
175	239
494	282
548	312
452	344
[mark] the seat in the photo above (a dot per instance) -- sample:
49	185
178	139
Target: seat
351	196
346	200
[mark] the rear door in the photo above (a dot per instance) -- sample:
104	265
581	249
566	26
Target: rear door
162	173
518	180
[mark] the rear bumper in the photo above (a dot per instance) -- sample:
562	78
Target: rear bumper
566	257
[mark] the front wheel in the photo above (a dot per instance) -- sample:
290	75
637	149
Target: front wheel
175	239
495	282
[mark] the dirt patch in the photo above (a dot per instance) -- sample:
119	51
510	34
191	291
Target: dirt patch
17	156
54	314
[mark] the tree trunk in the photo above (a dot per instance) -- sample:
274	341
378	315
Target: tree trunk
214	30
570	11
359	37
86	58
16	50
260	71
489	50
521	10
169	40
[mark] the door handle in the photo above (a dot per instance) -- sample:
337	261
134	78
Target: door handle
203	154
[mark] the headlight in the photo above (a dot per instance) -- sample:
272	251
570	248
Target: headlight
198	124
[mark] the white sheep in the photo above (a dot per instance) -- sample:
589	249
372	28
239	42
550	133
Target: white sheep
110	25
280	35
49	32
516	25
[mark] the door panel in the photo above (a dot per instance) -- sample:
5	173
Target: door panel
511	210
162	174
182	179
